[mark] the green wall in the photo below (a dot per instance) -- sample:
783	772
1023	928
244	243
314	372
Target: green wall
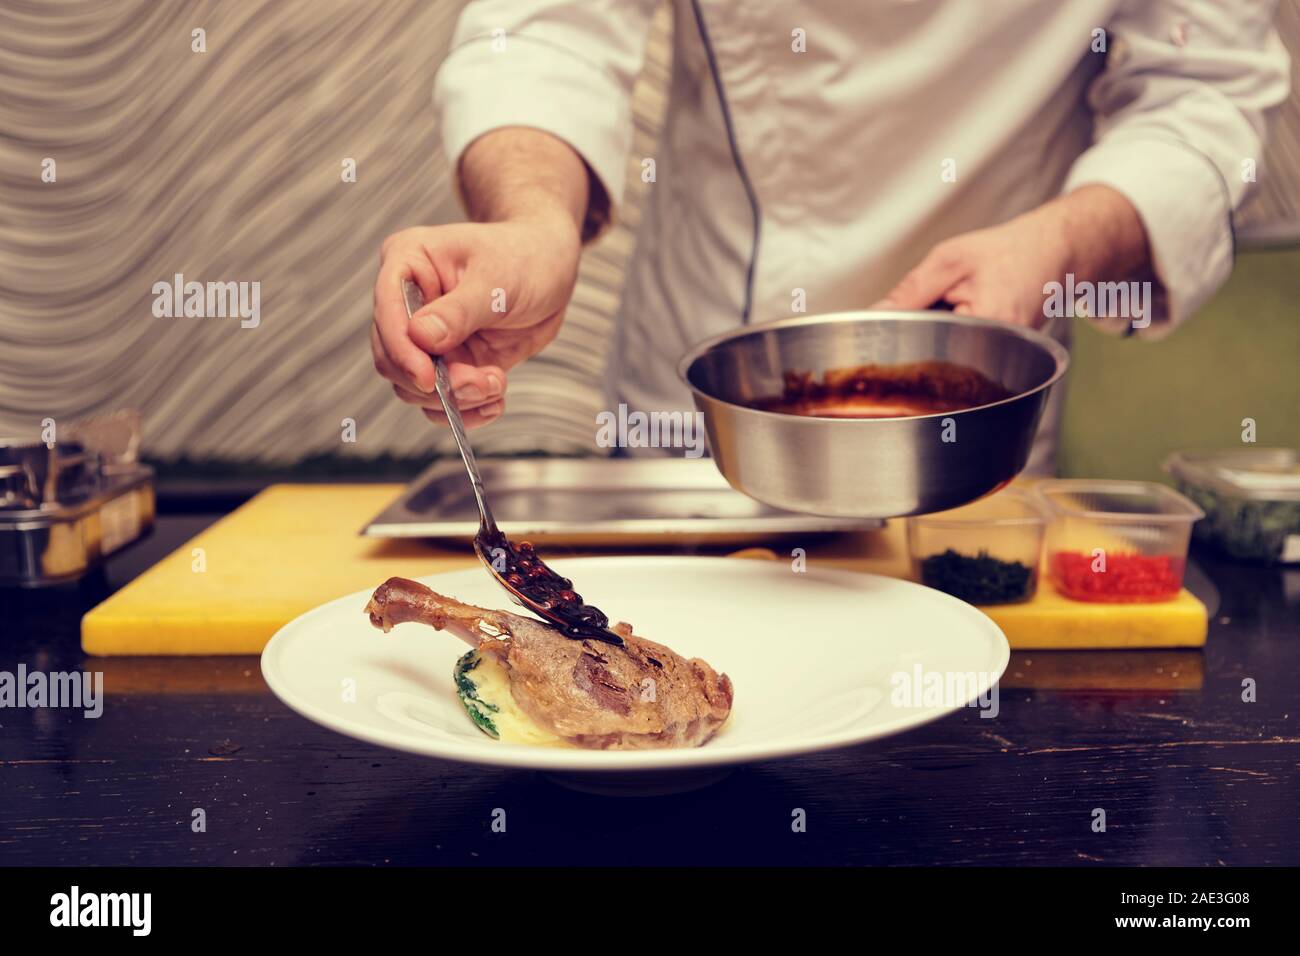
1131	402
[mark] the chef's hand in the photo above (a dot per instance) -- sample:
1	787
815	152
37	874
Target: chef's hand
495	291
1000	272
495	294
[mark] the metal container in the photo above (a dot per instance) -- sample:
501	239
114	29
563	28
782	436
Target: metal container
601	502
66	506
884	467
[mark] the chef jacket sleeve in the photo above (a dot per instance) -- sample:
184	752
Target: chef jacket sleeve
563	66
1180	123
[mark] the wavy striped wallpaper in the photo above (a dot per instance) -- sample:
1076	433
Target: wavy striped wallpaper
227	165
126	158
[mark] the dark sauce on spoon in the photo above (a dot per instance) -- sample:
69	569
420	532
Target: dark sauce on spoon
884	391
527	574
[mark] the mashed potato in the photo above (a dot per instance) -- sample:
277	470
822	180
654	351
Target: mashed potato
484	689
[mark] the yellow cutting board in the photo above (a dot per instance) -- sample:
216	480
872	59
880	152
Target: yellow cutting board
294	547
231	587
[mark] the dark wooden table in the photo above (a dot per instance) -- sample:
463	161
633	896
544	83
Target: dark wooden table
1186	771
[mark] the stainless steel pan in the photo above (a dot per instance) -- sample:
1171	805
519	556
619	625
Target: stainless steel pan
863	468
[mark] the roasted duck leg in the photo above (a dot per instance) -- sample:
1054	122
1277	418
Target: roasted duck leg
582	693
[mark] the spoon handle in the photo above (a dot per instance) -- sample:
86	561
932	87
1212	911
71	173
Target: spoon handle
442	382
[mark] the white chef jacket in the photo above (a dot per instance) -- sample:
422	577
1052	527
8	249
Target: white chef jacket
806	144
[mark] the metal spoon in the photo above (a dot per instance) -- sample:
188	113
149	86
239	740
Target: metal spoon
527	579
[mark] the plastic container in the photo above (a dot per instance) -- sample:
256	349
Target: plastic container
1251	498
986	552
1116	542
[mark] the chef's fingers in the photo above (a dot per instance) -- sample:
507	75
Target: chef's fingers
472	388
384	365
472	418
401	263
450	319
480	414
976	298
434	404
476	384
926	284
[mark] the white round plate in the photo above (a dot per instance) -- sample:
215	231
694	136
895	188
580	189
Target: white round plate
819	660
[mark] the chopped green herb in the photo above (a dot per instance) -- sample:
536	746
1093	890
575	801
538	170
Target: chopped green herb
1255	530
978	580
477	708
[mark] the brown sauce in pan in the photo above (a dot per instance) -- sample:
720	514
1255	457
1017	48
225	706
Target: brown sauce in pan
884	391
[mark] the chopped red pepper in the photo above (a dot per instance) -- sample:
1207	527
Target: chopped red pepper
1126	578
